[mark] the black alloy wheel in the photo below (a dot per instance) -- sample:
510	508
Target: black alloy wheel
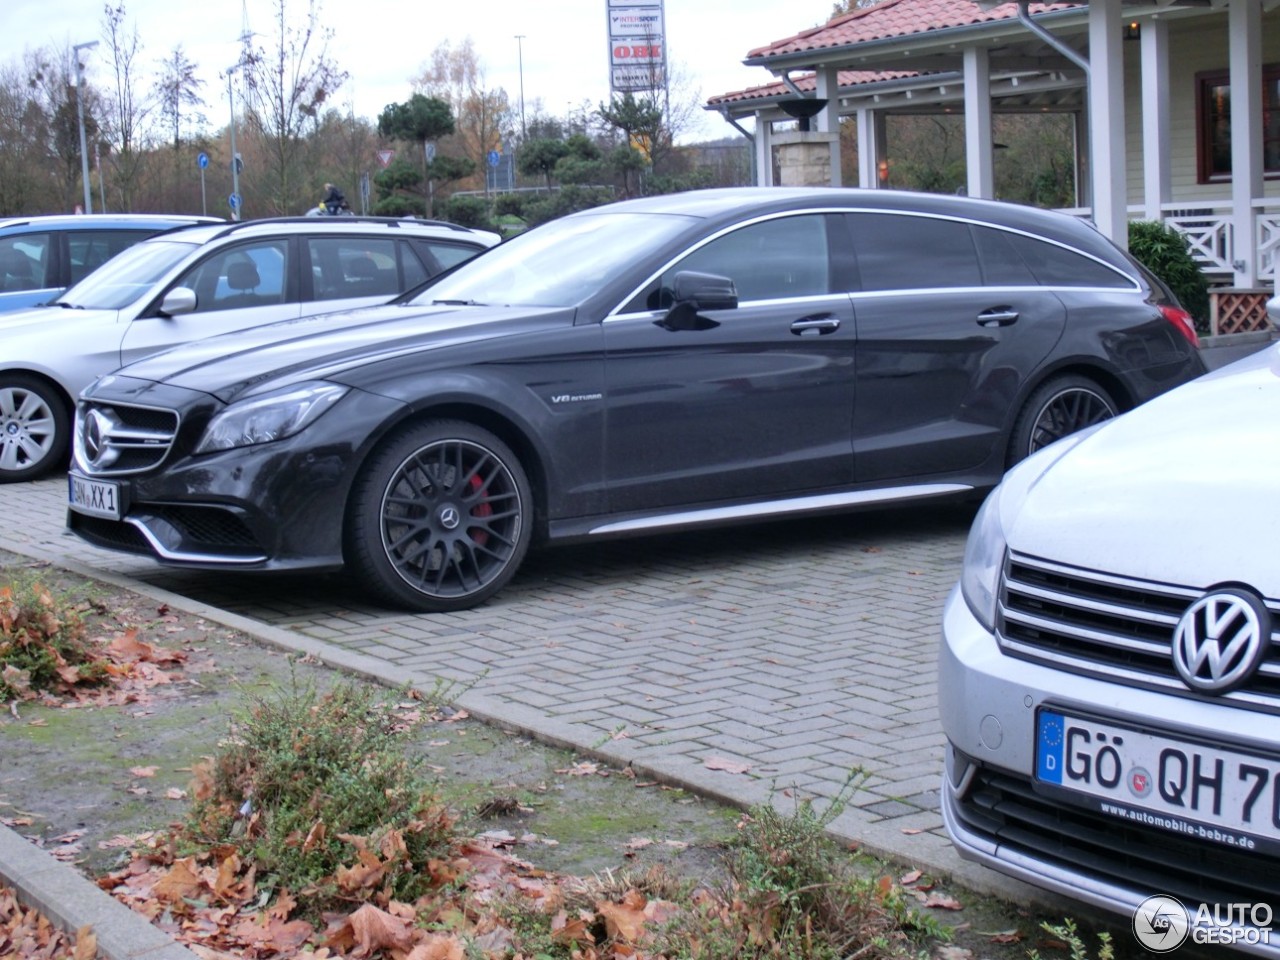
439	517
1058	408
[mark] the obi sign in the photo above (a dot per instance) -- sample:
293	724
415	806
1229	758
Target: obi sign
637	48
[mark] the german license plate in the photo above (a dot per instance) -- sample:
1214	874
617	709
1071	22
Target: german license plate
98	498
1198	790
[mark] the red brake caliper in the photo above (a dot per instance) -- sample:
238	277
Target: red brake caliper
480	536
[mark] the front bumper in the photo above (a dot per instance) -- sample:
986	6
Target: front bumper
273	506
997	815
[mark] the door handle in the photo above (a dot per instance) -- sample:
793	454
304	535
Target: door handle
821	324
997	317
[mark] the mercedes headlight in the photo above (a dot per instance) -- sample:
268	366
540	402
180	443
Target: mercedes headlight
270	417
983	560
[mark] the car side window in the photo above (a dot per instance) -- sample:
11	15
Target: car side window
1056	266
906	252
344	267
23	261
90	249
447	254
247	275
1002	264
771	260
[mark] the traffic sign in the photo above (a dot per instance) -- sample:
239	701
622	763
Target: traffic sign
384	156
494	158
233	201
202	160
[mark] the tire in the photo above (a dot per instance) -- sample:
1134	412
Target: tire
1058	407
439	518
35	427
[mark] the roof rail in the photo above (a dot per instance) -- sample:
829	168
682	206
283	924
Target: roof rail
315	221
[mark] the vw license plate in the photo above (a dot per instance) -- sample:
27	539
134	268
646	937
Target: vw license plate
99	498
1195	789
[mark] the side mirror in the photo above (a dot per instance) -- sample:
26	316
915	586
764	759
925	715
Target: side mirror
694	292
178	301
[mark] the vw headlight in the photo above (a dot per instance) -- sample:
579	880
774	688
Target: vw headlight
983	561
271	417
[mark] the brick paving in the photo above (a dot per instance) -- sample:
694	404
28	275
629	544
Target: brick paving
802	649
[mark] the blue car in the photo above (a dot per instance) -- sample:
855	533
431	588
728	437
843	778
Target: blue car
42	256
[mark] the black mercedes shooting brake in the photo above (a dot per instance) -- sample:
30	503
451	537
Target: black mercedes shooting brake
711	357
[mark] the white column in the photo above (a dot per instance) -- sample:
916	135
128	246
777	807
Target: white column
764	151
1107	155
829	117
1157	188
868	149
1244	33
979	163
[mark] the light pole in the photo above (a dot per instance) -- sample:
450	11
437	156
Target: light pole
235	166
84	147
524	132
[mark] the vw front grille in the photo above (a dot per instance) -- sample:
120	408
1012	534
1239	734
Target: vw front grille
1111	627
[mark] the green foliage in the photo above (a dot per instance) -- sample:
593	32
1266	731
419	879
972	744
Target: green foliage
446	169
1167	253
469	211
400	205
568	199
577	170
793	893
538	158
42	642
310	783
419	119
1067	933
509	205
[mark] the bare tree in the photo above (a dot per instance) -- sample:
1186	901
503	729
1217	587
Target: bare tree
180	98
51	119
483	118
127	110
288	79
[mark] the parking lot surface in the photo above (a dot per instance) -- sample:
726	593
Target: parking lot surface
749	664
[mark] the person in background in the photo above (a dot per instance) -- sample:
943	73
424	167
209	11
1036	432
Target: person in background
334	200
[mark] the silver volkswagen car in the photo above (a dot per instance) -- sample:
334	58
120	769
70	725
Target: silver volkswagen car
1109	679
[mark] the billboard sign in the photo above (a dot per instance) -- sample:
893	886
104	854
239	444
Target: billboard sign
637	45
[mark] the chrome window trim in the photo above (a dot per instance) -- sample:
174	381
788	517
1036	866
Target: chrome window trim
1133	285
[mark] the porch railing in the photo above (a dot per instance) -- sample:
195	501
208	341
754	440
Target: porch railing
1211	232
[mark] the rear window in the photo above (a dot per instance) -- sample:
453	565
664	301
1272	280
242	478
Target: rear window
902	252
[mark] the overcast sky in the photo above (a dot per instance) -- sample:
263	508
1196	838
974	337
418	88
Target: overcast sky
382	43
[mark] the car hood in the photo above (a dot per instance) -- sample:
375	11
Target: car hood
37	320
326	345
1181	490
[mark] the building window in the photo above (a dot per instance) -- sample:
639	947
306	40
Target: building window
1213	113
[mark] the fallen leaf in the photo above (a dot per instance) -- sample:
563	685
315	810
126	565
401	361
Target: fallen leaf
86	944
908	878
181	881
143	771
943	902
725	765
439	946
375	929
173	793
949	952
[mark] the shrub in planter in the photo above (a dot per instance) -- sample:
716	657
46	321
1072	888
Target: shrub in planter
1167	253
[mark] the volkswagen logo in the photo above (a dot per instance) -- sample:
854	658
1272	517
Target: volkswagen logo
1220	640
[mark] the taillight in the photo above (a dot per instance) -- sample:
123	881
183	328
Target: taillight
1182	322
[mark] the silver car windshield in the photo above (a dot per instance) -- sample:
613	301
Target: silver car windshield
128	276
559	264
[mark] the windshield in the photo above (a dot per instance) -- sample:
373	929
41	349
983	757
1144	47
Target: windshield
559	264
130	275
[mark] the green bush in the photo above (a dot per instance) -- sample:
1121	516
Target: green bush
1167	253
399	205
508	205
307	783
469	211
42	642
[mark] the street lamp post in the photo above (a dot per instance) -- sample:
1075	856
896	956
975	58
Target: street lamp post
235	166
84	147
524	132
